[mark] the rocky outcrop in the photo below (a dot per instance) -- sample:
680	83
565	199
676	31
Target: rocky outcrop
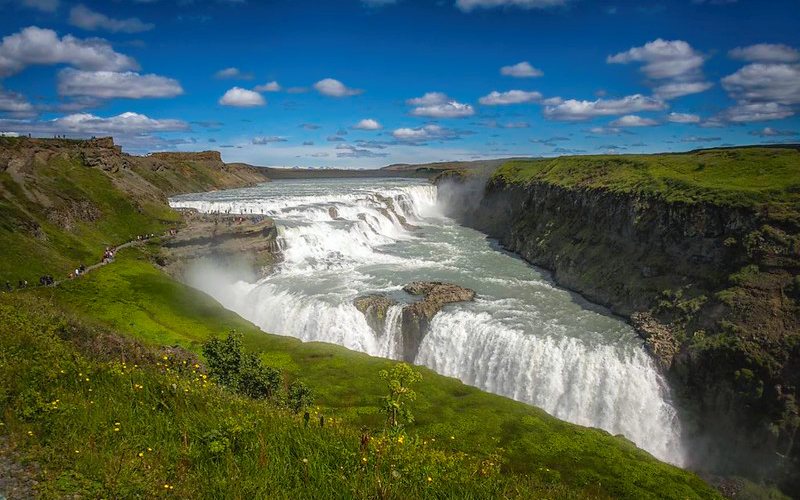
712	289
245	246
417	315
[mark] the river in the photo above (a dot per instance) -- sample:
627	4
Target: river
523	337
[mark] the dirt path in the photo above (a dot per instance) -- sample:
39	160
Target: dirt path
17	480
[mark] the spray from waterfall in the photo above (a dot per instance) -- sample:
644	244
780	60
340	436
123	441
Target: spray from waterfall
524	338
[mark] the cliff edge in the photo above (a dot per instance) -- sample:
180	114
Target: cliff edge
702	252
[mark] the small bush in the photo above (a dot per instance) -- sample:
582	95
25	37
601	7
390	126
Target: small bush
299	397
239	371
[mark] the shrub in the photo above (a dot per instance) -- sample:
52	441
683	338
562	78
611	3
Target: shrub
300	396
239	371
396	404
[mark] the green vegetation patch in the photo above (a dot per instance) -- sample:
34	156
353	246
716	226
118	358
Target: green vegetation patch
732	177
134	298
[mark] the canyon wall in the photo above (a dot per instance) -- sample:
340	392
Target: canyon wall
712	289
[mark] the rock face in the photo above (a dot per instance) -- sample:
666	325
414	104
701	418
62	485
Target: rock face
416	316
245	245
712	289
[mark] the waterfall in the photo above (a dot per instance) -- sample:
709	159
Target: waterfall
523	338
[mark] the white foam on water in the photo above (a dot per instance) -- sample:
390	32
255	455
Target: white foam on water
524	338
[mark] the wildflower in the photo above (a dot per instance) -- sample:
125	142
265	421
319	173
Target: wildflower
400	440
166	486
141	454
77	451
30	433
430	479
452	437
364	459
305	460
149	449
166	358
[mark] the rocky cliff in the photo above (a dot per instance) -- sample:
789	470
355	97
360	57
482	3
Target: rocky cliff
709	281
63	201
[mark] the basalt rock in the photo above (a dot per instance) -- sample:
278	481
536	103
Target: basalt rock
712	289
416	316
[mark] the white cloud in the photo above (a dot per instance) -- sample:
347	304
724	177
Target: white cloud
470	5
679	89
334	88
439	105
424	133
85	123
232	74
429	99
261	141
662	58
35	45
674	62
683	118
771	132
755	112
84	17
633	121
110	84
778	83
14	103
367	124
521	70
574	110
268	87
242	98
510	97
766	52
42	5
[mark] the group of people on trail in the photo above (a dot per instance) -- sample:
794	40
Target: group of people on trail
46	280
108	255
145	237
78	272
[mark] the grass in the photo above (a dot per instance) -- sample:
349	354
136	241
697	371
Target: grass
105	428
134	298
730	177
35	243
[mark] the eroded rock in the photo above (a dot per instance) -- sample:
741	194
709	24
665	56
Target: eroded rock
416	316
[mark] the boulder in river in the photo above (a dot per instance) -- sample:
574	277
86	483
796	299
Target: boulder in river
417	316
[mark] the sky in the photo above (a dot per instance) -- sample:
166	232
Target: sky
367	83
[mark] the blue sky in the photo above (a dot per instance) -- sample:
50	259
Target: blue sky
357	84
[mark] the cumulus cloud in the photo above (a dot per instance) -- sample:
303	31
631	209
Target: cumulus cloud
470	5
633	121
262	141
242	98
34	45
574	110
439	105
778	83
766	52
84	17
334	88
89	124
521	70
510	97
683	118
232	74
425	133
754	112
367	124
14	104
771	132
673	66
110	84
268	87
349	151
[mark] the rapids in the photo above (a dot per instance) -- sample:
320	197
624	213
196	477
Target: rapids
523	337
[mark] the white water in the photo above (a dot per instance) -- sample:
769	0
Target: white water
523	337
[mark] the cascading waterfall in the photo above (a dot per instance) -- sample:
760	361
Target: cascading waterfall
523	338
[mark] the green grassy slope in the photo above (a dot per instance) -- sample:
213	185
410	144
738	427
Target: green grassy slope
134	298
104	428
736	177
57	212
